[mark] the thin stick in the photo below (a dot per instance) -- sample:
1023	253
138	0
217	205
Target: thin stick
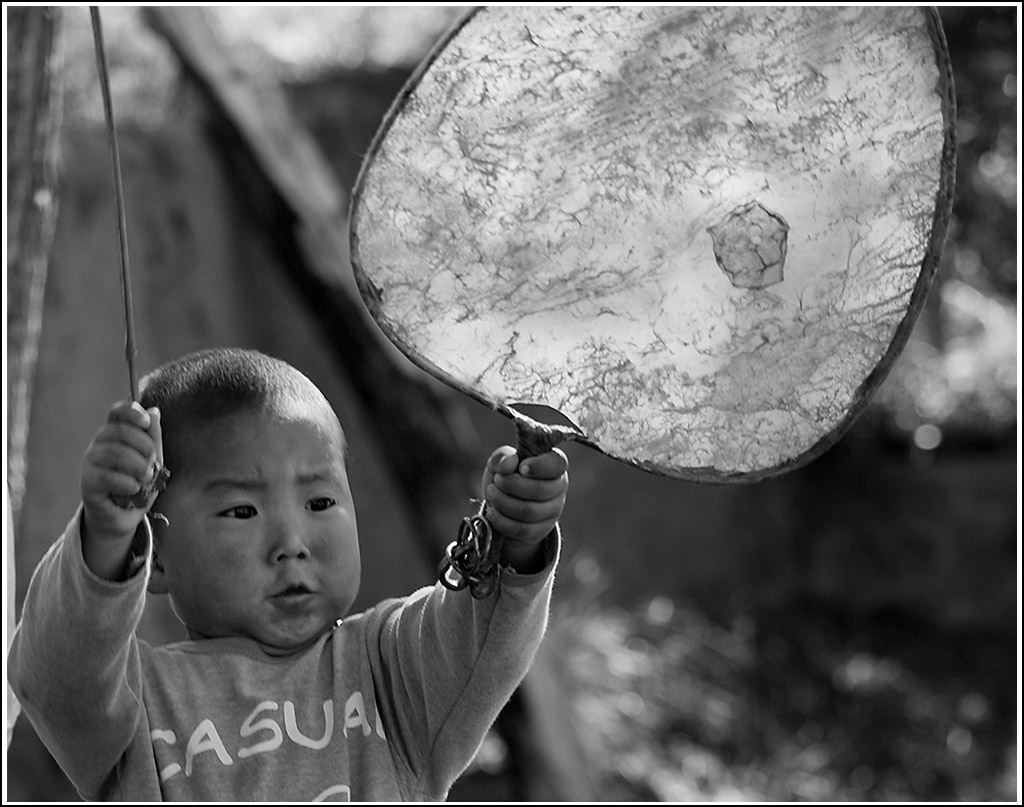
122	225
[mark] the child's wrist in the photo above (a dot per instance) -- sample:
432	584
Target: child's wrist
106	552
523	558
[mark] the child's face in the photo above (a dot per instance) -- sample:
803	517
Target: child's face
262	540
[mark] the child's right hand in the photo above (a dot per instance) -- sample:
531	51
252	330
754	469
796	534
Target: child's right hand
123	457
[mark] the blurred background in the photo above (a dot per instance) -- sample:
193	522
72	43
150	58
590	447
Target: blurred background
847	631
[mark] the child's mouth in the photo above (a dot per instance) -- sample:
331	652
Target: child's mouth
293	591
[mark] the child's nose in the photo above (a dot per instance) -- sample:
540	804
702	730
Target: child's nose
289	543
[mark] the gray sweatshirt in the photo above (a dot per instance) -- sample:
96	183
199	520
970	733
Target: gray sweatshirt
390	705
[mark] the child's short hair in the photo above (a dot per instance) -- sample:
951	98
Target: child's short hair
209	384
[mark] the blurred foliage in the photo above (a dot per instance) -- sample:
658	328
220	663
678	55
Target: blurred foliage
983	48
795	705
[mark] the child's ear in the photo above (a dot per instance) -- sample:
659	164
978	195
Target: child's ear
157	576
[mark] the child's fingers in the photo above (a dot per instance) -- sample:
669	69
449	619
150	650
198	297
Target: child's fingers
156	458
156	435
129	423
130	412
114	469
530	489
549	465
502	460
526	512
127	447
118	457
126	450
526	500
525	505
538	479
515	518
111	482
127	436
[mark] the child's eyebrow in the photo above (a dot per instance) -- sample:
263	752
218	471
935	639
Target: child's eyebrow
230	482
255	483
325	475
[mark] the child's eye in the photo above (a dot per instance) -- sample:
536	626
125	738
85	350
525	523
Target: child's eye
321	503
240	511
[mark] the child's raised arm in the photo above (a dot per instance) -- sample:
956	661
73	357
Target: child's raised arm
124	456
525	501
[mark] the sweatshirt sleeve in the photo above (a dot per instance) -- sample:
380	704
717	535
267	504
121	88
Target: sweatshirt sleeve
448	663
74	662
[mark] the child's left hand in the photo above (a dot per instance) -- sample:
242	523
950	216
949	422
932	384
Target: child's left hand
524	502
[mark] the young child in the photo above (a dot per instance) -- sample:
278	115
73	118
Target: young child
274	696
